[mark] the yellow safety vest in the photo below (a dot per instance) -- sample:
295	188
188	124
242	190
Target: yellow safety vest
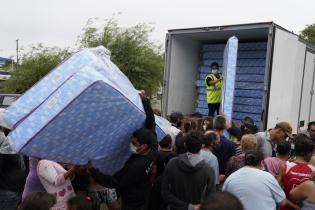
213	91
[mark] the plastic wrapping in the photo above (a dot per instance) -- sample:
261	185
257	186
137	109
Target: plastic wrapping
229	73
88	113
96	58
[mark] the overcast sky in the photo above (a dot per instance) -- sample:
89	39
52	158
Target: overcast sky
59	22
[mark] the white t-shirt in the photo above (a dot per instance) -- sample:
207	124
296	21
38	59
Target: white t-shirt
256	189
212	160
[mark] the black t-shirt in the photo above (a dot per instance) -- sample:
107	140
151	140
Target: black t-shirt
161	161
132	181
12	172
80	183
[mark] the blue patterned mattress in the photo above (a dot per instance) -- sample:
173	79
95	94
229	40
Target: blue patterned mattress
229	69
97	58
91	115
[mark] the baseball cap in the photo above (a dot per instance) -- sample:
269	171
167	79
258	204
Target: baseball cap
286	128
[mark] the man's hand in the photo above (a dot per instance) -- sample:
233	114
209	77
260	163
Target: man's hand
71	172
142	93
221	178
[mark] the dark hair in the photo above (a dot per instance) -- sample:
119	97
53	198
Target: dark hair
166	141
209	138
209	118
193	141
221	201
213	64
180	146
219	123
210	125
283	147
248	121
189	126
253	157
248	126
303	144
312	123
81	202
175	117
38	201
144	136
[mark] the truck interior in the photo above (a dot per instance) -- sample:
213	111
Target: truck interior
191	56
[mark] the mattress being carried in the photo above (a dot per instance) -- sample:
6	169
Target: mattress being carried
89	113
229	69
96	58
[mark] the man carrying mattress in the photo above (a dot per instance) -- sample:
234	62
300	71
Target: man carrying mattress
213	89
133	181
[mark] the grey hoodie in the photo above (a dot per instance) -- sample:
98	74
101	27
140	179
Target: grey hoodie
185	184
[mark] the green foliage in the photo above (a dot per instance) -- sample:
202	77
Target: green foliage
34	65
309	33
131	50
140	59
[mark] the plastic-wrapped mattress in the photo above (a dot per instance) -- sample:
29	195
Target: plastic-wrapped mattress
88	113
229	69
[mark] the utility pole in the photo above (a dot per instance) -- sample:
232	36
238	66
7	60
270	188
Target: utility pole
12	63
17	53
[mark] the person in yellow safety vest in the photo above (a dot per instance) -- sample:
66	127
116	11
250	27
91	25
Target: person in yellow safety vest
213	89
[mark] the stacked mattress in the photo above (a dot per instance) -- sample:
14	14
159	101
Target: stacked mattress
229	71
85	109
249	80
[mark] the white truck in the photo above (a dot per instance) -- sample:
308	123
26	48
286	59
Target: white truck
275	73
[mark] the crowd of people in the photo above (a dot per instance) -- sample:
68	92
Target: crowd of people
220	166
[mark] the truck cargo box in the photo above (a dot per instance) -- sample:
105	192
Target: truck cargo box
274	75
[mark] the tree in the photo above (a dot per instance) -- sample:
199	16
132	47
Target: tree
140	59
309	33
34	65
131	50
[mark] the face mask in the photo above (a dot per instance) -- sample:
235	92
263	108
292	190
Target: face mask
215	71
133	148
204	127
